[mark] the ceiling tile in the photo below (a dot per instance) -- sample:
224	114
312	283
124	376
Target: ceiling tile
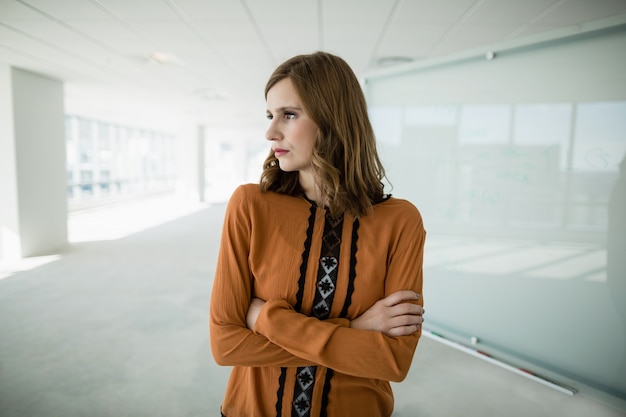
67	9
576	11
471	37
364	11
136	9
428	11
212	10
507	12
411	40
281	11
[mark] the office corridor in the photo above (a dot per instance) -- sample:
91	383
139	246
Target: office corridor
119	328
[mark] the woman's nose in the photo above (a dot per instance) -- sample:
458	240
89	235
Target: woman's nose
272	133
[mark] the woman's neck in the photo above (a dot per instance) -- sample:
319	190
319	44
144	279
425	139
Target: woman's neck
310	188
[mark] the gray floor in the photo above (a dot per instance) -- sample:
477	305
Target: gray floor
119	328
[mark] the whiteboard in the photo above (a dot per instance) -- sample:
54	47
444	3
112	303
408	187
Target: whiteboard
514	164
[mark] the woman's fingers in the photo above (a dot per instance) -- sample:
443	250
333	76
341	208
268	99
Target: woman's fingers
402	331
400	296
395	315
405	308
403	317
404	325
406	320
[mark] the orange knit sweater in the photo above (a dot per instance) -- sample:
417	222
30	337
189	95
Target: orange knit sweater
294	362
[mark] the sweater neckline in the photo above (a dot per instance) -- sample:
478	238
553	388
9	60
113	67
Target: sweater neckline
384	198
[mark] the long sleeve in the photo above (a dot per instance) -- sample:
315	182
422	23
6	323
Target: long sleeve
232	343
360	353
354	352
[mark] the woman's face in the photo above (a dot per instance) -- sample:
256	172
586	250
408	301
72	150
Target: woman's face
291	131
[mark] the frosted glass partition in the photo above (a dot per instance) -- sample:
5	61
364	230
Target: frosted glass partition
515	165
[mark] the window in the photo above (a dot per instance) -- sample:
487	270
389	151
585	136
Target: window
106	160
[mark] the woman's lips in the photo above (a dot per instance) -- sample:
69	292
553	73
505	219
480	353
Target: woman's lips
279	152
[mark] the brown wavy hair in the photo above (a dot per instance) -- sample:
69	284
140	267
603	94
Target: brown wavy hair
345	162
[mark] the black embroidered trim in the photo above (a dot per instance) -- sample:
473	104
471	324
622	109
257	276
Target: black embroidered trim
326	284
328	267
352	273
281	391
329	376
303	391
305	259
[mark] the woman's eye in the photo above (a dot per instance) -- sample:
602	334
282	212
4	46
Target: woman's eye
269	116
289	115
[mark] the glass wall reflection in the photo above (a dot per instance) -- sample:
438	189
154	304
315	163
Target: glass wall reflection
509	167
524	204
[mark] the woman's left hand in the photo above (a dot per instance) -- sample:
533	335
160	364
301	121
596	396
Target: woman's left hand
253	312
394	315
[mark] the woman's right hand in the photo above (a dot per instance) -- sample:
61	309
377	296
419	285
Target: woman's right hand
393	315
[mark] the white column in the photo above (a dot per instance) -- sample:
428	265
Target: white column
33	213
10	246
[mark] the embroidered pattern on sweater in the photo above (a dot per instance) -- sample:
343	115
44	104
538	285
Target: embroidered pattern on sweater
329	264
326	284
298	306
303	391
352	272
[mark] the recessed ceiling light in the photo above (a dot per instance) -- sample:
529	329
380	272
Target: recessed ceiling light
163	58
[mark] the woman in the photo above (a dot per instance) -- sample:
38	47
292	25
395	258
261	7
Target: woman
316	301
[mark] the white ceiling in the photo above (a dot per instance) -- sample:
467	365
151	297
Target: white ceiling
222	51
